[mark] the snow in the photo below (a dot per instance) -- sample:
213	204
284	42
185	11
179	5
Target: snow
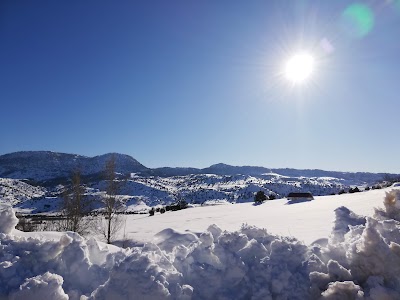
359	258
46	165
8	220
143	191
14	191
307	221
46	286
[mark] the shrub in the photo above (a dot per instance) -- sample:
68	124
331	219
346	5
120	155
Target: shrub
354	190
260	197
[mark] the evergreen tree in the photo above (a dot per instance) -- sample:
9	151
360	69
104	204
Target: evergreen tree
260	197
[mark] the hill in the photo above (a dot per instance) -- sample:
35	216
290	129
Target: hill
31	181
47	166
44	166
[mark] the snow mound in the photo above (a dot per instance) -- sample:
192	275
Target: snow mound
342	291
361	260
46	286
392	206
344	218
71	261
168	238
8	220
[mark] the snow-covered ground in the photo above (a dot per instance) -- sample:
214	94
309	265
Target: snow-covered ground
189	258
15	191
152	190
306	221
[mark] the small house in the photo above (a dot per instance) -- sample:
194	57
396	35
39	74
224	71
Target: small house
300	197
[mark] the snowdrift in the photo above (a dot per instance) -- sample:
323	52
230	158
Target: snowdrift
360	260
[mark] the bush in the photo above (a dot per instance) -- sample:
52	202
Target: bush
354	190
151	211
162	210
260	197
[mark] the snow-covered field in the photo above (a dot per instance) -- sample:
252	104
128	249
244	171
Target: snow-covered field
306	221
195	189
186	257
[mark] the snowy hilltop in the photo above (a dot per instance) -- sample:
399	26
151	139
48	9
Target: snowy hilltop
358	260
46	167
138	191
34	181
42	166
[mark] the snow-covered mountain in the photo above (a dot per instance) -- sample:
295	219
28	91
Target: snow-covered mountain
42	166
143	186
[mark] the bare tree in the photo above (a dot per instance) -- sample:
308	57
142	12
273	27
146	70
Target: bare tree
112	205
75	206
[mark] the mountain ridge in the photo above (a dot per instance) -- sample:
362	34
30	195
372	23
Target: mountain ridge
47	165
43	166
34	180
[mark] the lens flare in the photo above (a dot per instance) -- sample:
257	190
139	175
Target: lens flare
397	4
358	20
326	46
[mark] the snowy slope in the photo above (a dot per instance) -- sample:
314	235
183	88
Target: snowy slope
47	165
219	182
195	189
16	191
307	221
200	188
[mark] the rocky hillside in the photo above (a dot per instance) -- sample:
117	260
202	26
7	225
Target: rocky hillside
31	180
41	166
140	192
15	191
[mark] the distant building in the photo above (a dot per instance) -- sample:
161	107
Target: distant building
300	197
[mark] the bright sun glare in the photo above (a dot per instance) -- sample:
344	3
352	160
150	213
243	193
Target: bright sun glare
299	68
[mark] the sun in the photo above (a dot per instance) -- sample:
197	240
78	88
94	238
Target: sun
299	68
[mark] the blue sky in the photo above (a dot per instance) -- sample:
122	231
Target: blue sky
193	83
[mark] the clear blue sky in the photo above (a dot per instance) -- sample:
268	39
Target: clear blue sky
193	83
